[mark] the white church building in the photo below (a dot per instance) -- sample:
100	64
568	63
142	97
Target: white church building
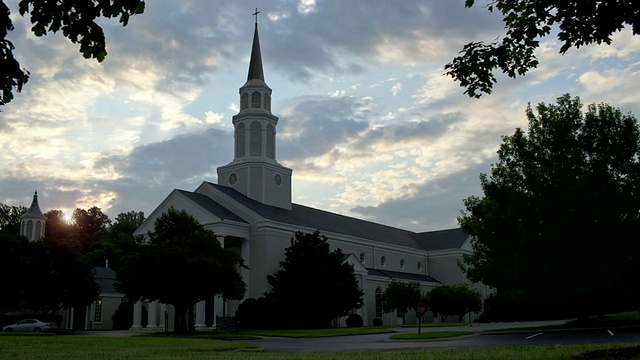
250	207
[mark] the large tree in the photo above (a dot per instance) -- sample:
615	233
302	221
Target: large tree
314	285
401	296
181	263
560	207
76	19
577	23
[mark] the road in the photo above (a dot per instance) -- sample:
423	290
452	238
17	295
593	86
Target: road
382	342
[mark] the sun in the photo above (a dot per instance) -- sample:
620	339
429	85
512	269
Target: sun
68	218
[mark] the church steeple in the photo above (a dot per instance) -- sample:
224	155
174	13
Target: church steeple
255	64
32	223
254	170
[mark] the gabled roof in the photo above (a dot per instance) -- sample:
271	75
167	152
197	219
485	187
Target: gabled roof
211	206
441	239
106	279
397	275
324	221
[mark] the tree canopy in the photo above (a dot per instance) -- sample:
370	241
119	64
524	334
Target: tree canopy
578	23
181	263
401	296
76	19
560	207
448	300
314	285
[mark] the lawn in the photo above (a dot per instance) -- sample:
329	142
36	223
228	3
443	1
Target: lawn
164	347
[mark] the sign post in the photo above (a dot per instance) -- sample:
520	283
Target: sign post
420	312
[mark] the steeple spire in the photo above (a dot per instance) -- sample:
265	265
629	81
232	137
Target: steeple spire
255	65
32	223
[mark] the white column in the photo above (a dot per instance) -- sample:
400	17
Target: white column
87	317
163	309
137	316
152	323
200	315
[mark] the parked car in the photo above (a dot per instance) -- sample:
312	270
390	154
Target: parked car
31	325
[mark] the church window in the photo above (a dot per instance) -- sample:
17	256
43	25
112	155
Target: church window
255	141
383	261
29	229
419	266
267	102
378	302
363	258
22	228
240	136
402	264
38	229
271	142
97	317
255	99
244	101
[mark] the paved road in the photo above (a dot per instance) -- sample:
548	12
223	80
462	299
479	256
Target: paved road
381	342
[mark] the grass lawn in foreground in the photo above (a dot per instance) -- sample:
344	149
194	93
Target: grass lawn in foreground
157	347
430	335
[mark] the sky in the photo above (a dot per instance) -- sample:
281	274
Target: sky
368	122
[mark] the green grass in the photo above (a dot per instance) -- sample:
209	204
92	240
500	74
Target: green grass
430	335
164	347
305	333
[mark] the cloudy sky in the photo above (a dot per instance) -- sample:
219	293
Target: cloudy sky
368	122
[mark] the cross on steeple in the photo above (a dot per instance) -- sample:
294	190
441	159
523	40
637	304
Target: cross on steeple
256	15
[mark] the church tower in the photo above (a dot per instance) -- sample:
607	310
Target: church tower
254	170
32	222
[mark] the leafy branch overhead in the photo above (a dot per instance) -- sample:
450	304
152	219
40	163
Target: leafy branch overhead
578	23
77	21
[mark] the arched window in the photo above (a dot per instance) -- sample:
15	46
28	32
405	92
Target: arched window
244	101
38	229
267	102
363	258
419	266
378	302
29	229
255	142
383	261
402	264
255	99
240	140
271	141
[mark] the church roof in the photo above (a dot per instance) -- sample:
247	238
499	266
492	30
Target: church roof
255	64
211	206
106	279
321	220
441	239
397	275
34	210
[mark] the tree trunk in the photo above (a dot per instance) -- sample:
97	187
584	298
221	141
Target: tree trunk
179	325
191	325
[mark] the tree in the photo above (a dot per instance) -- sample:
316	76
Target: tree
313	285
42	276
181	263
579	23
459	300
559	207
117	245
401	296
76	20
10	218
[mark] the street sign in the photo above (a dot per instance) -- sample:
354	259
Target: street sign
421	309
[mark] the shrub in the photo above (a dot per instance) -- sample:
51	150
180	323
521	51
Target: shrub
377	322
354	320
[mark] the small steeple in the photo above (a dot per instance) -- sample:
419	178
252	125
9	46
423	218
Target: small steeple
255	65
34	210
32	223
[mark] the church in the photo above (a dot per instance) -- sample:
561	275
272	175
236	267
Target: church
250	207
